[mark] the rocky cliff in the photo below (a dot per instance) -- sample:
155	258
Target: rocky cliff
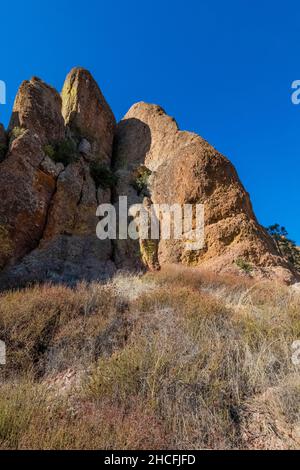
63	155
183	168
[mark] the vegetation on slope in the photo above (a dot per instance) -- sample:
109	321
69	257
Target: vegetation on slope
286	247
174	359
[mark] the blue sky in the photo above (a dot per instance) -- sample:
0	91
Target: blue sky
222	69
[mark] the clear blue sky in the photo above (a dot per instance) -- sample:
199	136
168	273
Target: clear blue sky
222	68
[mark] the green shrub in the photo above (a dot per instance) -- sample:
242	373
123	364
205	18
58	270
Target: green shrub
62	152
66	152
15	133
286	247
102	175
244	265
140	179
49	151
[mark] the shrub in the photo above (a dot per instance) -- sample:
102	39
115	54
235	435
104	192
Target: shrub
33	418
19	403
286	247
63	152
49	150
16	132
51	327
102	175
244	265
140	179
198	351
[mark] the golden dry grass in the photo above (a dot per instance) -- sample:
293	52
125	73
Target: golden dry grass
168	360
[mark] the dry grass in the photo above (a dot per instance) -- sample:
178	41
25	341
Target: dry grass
174	359
31	419
50	328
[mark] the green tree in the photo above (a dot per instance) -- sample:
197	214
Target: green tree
286	247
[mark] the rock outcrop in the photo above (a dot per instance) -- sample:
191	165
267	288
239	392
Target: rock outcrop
58	165
183	168
48	214
26	189
37	108
25	194
87	114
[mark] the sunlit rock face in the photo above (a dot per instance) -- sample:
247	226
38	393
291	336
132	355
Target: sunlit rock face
63	156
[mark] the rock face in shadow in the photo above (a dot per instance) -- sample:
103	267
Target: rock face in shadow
132	142
184	169
2	135
3	143
48	215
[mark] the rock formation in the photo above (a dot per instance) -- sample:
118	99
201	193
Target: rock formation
57	167
87	114
49	198
25	193
184	168
37	108
25	189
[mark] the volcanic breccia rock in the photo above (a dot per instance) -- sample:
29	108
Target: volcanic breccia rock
48	211
186	169
37	108
48	205
87	113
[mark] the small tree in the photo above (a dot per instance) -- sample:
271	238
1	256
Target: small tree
286	247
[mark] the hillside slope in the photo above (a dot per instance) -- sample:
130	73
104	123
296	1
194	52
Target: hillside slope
170	360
